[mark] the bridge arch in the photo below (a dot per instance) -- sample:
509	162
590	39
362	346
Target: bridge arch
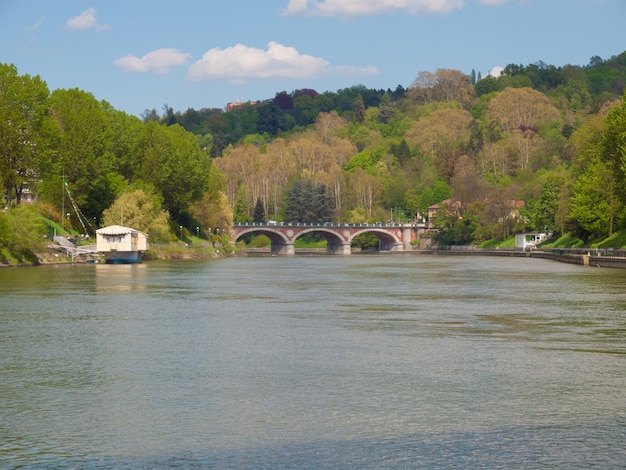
387	241
335	243
278	239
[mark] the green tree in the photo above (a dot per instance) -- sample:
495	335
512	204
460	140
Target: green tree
308	202
213	212
271	119
594	203
25	131
614	147
359	109
84	148
142	211
259	211
23	231
173	163
401	151
544	217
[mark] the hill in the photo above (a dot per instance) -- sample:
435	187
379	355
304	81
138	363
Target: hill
538	148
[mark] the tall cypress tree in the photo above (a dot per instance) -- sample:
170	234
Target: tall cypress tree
308	203
359	109
324	204
259	212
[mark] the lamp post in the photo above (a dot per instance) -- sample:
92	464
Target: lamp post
181	233
197	232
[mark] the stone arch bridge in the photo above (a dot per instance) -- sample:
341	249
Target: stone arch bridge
392	237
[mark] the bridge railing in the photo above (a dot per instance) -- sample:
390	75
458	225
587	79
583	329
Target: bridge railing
326	224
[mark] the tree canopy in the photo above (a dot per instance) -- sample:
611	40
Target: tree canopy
548	139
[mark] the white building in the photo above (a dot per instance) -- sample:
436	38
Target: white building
529	240
121	244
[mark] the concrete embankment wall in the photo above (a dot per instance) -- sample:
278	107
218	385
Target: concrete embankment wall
562	258
477	252
590	258
584	258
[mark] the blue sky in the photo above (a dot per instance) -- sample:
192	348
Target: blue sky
144	54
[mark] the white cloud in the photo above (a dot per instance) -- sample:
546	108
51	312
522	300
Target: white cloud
496	71
160	61
240	63
35	26
369	7
86	20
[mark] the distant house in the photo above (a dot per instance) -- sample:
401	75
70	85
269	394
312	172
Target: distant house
453	208
121	245
513	207
509	209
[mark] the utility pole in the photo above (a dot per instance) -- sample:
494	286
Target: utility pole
63	200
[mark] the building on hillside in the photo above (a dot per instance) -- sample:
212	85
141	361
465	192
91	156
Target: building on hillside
121	245
513	207
529	241
453	208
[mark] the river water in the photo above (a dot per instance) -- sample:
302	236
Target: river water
365	361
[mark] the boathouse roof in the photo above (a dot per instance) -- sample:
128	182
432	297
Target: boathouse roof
116	230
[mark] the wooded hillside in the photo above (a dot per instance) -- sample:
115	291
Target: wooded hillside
553	138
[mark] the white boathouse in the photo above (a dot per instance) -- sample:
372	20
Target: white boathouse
121	244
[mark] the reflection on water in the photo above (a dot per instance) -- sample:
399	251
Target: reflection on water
362	361
120	277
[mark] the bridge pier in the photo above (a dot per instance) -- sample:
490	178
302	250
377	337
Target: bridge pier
339	249
407	237
283	249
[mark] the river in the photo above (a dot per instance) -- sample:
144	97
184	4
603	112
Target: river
364	361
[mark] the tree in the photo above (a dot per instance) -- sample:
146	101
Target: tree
284	101
597	187
385	110
25	131
172	163
271	119
594	203
259	212
308	202
84	150
213	213
401	151
614	146
485	86
365	190
324	204
548	204
443	85
337	184
444	135
327	124
522	108
359	109
22	231
142	211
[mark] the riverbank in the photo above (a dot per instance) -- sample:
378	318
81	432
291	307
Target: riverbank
606	258
172	251
601	258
